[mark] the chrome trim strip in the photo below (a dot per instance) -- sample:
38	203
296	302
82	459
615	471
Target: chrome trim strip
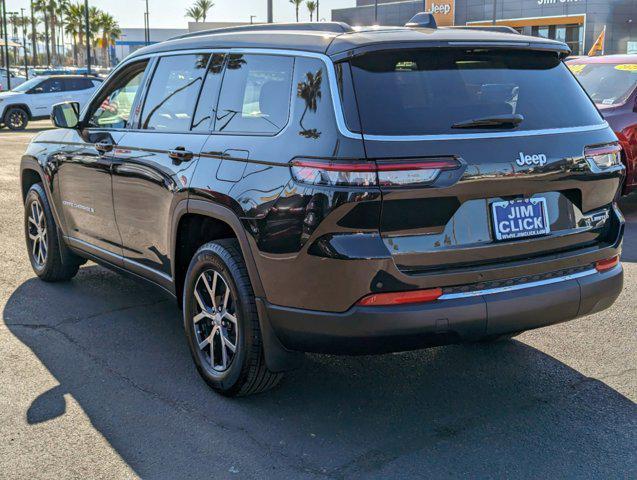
469	136
521	286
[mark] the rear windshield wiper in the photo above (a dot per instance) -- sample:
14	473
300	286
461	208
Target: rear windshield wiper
491	121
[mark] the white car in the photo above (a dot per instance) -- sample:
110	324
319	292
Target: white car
15	79
34	99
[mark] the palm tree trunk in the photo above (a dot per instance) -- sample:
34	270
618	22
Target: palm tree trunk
297	13
53	38
75	50
46	38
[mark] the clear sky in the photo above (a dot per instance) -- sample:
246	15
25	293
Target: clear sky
170	13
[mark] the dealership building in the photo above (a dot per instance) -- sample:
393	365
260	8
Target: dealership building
576	22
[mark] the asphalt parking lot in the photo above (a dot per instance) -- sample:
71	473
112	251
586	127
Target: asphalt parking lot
96	382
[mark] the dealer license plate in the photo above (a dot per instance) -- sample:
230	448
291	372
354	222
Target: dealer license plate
520	218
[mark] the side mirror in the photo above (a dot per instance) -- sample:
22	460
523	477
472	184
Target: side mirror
66	115
36	90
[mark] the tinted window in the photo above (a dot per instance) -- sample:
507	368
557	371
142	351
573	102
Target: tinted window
313	111
207	105
116	100
71	84
255	95
52	85
427	92
173	92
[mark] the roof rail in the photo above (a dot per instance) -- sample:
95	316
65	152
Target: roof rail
486	28
335	27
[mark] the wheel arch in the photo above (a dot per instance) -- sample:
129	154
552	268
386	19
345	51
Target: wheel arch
277	357
23	106
211	222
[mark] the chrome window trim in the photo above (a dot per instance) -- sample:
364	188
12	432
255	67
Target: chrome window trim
470	136
336	99
520	286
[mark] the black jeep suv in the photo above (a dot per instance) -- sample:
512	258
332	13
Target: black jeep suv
315	188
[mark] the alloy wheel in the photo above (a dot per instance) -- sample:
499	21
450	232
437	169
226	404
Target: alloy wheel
215	321
37	233
16	119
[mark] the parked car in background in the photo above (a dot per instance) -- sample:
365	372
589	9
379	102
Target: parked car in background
16	79
33	99
611	81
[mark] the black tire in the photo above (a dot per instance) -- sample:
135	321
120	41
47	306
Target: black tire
46	257
242	372
16	118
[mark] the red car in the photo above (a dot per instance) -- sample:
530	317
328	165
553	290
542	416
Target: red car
611	81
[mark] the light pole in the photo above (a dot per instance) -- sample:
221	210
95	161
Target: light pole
88	38
269	11
24	45
6	42
34	38
147	24
495	4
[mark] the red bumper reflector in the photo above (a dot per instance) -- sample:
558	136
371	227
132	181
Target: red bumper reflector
400	298
607	264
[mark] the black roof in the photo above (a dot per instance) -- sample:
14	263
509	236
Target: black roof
338	39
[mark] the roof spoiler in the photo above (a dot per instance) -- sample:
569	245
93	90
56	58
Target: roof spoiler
422	20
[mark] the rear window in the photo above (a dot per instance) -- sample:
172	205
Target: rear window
607	84
422	92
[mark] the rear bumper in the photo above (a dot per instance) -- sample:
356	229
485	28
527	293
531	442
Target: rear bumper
451	319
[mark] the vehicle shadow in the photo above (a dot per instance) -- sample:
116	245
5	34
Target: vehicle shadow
504	410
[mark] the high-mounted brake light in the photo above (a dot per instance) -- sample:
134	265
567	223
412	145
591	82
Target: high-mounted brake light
607	264
604	157
400	298
388	173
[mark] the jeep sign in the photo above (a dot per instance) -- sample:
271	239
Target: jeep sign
442	10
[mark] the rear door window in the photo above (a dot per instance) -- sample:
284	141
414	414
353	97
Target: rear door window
420	92
73	84
173	92
255	95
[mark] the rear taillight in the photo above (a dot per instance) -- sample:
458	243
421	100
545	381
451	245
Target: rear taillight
604	157
607	264
400	298
387	173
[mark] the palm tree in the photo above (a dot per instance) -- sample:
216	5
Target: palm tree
62	11
110	33
195	13
75	27
297	5
204	6
311	6
41	6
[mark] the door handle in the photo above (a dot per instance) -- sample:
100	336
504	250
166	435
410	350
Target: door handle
104	146
180	154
